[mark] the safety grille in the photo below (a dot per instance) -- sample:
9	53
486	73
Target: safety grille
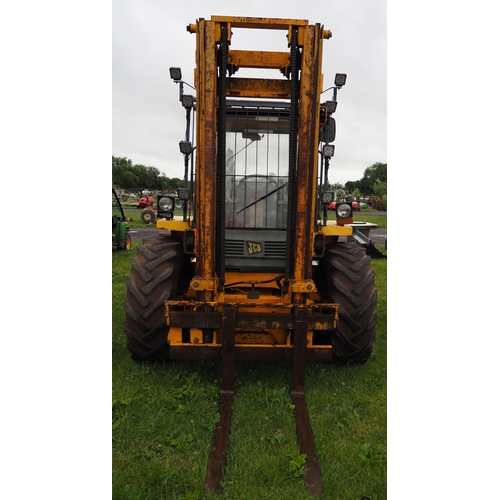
236	248
275	249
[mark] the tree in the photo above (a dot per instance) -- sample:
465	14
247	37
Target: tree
173	184
335	187
377	171
379	188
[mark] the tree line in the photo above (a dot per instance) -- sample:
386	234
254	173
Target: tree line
129	176
373	182
132	177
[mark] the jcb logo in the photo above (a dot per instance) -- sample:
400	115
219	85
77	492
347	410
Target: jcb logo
253	247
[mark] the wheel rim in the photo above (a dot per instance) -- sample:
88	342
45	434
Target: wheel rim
147	217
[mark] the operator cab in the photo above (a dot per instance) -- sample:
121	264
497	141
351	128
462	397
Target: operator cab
257	142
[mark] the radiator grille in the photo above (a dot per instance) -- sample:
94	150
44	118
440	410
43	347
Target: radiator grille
275	249
236	248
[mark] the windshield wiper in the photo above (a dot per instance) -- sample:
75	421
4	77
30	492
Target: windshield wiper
263	197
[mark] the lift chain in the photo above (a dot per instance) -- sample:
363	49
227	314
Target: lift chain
292	158
221	161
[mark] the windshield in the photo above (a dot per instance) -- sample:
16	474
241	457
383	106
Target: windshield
257	144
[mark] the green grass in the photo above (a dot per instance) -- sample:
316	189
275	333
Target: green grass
164	416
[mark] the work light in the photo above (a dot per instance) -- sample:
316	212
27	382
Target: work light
185	147
340	79
187	101
183	194
331	106
327	197
176	74
328	151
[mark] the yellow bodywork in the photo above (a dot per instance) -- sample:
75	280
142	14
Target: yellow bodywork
259	294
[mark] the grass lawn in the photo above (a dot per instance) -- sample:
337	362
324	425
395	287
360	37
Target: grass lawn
164	416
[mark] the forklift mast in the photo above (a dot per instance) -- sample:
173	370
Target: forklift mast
264	133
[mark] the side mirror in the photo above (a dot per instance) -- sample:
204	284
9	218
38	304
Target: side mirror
328	131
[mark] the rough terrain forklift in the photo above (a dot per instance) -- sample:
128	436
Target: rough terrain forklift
254	270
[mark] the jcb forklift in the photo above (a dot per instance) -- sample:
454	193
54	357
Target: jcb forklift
254	270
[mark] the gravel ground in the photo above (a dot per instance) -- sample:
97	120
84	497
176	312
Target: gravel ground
378	236
139	233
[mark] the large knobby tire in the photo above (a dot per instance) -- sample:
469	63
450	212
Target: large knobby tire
153	279
349	280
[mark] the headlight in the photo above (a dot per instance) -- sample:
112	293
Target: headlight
166	206
344	211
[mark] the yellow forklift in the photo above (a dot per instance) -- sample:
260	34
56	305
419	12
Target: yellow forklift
254	270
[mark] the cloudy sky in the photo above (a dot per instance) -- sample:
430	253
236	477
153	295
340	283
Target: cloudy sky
149	36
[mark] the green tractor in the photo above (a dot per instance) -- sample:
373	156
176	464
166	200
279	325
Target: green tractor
121	230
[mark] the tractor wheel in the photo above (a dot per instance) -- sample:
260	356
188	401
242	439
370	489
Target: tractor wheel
147	216
349	280
153	279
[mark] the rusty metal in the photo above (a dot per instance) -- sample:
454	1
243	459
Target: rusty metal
307	141
259	59
200	284
302	286
304	430
255	87
254	321
259	22
206	158
218	456
314	483
255	338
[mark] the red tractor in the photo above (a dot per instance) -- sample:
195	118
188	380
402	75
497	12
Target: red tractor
146	201
333	205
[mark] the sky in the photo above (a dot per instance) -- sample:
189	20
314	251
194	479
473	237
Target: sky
150	36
